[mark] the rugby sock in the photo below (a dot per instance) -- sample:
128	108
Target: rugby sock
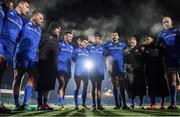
76	92
40	98
27	94
84	94
162	100
119	96
99	101
16	99
173	94
141	98
45	100
133	100
93	97
122	91
60	100
94	101
115	93
153	100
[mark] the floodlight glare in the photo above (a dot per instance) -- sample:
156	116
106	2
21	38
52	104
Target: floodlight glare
88	64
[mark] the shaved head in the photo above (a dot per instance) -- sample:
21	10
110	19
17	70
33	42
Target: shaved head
166	19
167	22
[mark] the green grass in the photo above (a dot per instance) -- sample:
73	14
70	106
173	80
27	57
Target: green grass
107	112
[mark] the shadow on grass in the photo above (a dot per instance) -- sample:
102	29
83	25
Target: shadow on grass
11	113
28	113
107	112
64	113
78	113
157	112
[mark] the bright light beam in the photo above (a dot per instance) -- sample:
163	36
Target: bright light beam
88	64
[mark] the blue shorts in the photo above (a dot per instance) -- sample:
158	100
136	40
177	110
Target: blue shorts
22	61
172	64
97	73
9	48
81	72
64	73
64	69
117	70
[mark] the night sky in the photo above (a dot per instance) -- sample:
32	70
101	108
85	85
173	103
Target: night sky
129	17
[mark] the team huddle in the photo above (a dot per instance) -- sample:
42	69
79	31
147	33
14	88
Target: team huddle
150	68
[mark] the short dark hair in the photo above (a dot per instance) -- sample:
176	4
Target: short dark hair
116	31
35	12
84	37
22	1
68	32
97	34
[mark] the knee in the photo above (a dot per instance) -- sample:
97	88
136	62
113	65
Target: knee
60	85
93	89
171	77
99	88
77	87
31	82
84	88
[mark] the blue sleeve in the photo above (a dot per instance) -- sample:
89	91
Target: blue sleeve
124	45
106	49
106	45
88	47
74	55
1	20
159	40
23	34
59	47
2	13
24	20
11	16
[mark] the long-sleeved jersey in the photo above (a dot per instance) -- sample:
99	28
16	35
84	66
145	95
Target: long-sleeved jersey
116	51
80	57
64	58
1	25
12	26
1	18
97	55
11	29
170	41
27	46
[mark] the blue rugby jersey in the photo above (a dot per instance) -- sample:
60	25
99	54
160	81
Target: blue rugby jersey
116	51
12	26
170	41
65	56
29	41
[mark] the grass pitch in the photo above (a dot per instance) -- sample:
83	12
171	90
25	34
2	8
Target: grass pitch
108	111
